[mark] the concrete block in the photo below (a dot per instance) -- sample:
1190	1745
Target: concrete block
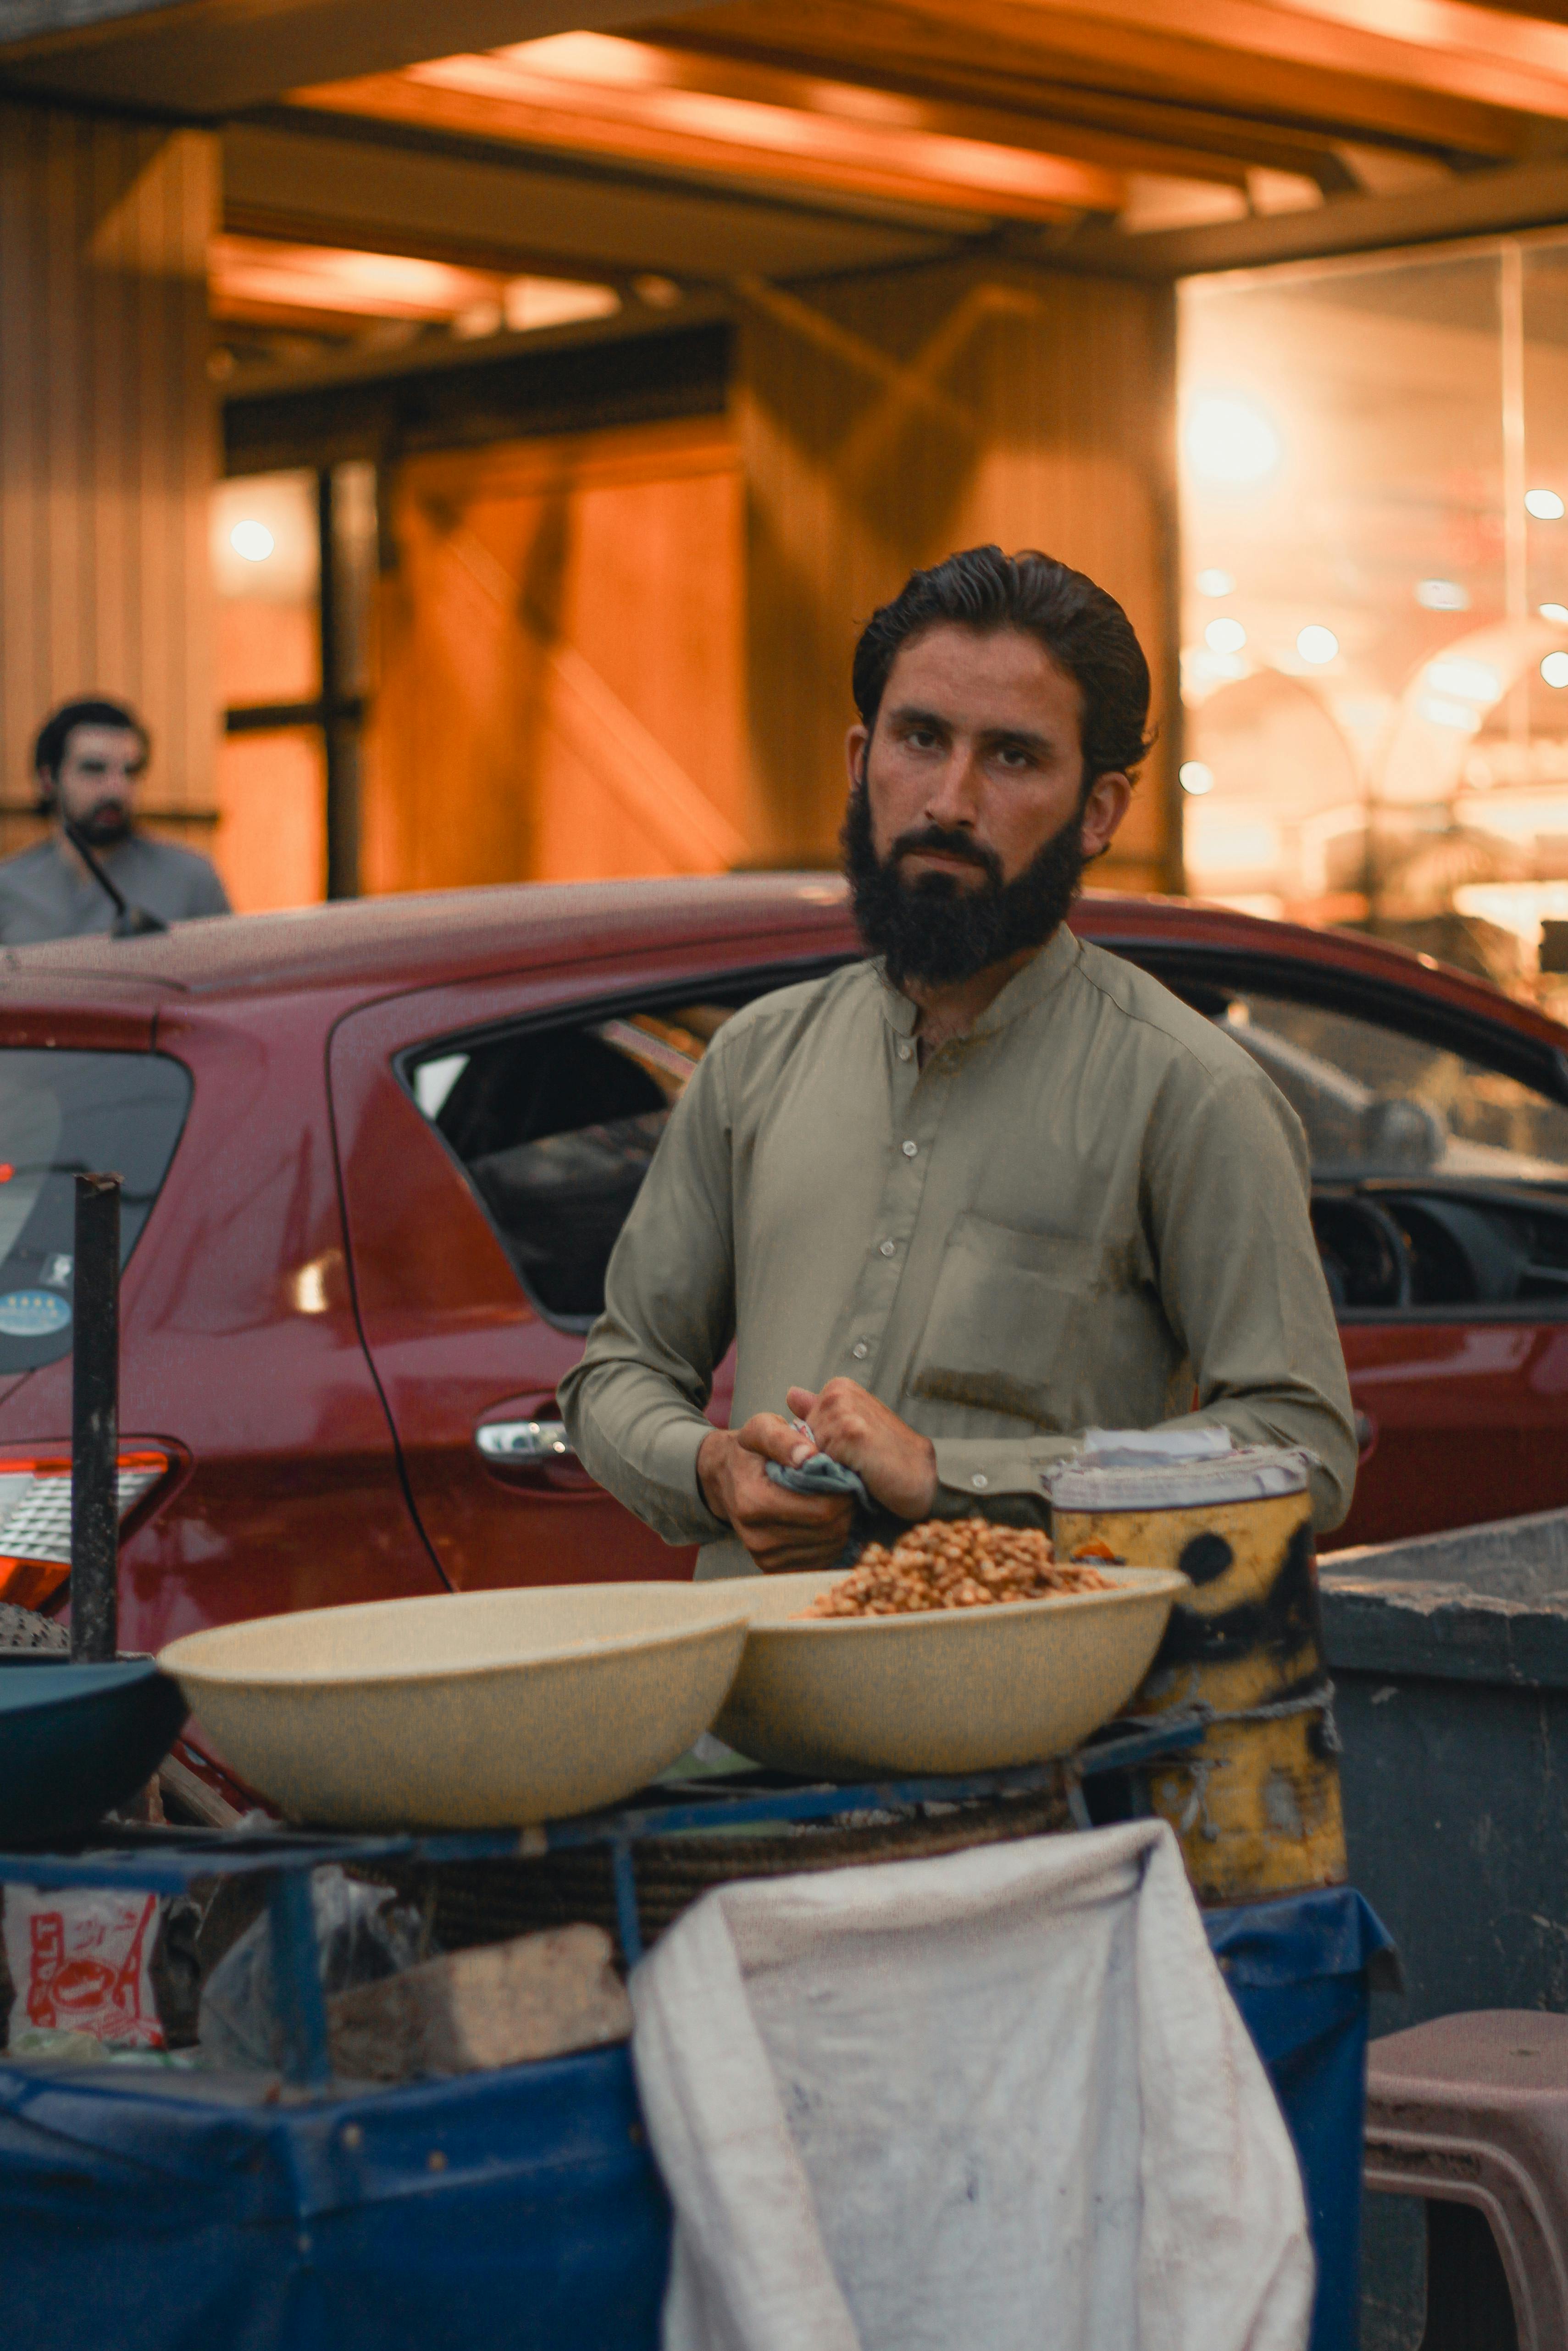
499	2004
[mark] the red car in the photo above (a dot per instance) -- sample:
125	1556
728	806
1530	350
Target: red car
375	1156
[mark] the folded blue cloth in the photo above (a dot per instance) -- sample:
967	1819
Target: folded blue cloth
820	1475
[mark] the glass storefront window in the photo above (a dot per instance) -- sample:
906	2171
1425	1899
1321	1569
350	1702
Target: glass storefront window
1374	597
266	543
271	838
295	558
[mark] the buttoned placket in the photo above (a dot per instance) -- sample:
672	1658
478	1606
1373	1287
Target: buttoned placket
917	1100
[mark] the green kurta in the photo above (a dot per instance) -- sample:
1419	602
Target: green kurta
1088	1206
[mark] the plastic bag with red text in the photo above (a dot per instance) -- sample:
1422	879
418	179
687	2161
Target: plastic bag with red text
79	1961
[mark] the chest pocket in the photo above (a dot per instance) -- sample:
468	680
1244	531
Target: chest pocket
999	1336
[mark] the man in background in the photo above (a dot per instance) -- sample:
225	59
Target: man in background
89	761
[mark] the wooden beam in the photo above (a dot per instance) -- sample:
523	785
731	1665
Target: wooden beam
866	105
481	205
1458	28
1254	59
208	59
1478	204
1091	64
1443	47
643	105
1136	130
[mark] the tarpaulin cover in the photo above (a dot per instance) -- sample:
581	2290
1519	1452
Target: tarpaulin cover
516	2209
1300	1970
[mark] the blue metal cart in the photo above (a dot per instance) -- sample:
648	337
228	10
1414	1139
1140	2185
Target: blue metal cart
519	2206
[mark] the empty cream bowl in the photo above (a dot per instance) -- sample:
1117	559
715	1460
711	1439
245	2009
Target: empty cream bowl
484	1709
963	1689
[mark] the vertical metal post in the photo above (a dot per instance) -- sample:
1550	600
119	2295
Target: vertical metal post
1515	520
298	2001
95	1420
339	710
624	1872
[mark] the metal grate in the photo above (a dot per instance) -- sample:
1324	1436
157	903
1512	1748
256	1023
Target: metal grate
36	1508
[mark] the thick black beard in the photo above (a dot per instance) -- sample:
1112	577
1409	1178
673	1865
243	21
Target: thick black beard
937	934
109	824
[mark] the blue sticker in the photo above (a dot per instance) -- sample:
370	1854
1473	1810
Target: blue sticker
33	1314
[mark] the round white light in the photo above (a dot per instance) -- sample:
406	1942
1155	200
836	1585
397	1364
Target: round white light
1442	596
1558	613
1213	583
1554	669
1545	505
1194	777
1317	645
1230	442
252	540
1225	636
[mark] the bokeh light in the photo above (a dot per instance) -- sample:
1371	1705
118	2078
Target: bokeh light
1230	441
252	540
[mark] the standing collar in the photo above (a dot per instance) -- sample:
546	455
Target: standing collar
1027	989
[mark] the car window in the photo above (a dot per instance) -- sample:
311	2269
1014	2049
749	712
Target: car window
62	1114
1376	1103
555	1129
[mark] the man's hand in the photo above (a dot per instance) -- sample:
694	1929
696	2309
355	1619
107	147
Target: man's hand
783	1531
898	1465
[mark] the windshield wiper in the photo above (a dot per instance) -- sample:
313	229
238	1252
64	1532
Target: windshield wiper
130	922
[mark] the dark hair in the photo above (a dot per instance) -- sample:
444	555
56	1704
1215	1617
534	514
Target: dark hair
1078	623
55	735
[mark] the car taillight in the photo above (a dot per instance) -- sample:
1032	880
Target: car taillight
35	1519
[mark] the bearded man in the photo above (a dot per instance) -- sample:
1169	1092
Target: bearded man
987	1190
88	762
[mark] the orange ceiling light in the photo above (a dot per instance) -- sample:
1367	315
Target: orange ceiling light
254	277
595	93
261	281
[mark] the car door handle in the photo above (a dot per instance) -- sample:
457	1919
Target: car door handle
524	1444
1366	1432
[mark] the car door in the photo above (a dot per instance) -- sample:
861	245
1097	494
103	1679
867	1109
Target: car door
1439	1154
491	1140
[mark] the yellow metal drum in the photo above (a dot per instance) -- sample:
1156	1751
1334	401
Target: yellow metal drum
1257	1805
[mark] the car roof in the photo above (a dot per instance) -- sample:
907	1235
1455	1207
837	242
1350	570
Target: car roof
376	946
423	939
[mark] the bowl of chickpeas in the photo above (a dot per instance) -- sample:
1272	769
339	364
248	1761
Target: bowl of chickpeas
965	1646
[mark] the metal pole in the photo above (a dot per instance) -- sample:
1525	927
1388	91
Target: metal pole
95	1421
298	2002
340	712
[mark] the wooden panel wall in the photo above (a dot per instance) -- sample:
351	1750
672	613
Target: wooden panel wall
107	445
560	664
886	419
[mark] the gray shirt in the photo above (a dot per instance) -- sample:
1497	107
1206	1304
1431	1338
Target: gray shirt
46	895
1091	1210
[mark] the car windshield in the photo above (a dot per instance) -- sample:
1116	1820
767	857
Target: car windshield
1375	1101
64	1114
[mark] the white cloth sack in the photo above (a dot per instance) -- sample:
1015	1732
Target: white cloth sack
999	2101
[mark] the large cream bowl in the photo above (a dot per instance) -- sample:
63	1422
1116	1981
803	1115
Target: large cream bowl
479	1709
967	1690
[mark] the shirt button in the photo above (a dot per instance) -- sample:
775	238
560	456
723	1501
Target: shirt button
909	1149
859	1351
905	1053
888	1247
976	1480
